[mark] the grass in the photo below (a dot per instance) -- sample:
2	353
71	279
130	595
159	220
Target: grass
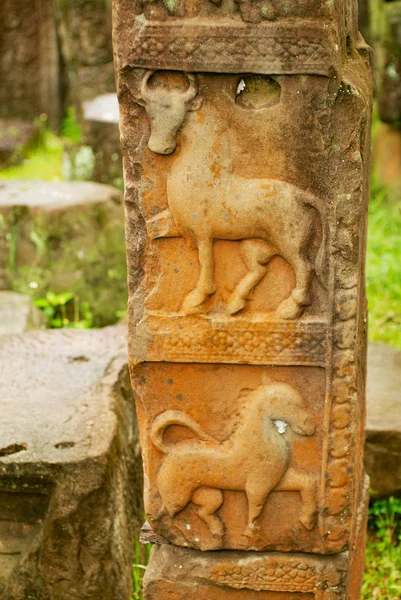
383	276
383	553
142	553
44	162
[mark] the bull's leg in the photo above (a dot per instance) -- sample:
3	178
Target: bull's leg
299	481
205	286
209	500
256	254
292	307
162	225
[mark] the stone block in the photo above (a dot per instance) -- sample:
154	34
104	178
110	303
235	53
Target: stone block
383	428
18	314
66	236
70	467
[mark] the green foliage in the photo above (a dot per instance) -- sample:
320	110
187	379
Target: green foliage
142	553
71	129
43	162
65	310
383	273
383	554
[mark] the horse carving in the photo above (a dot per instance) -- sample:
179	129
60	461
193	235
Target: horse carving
255	458
208	201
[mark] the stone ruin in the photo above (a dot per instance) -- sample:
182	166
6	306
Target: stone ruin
245	130
385	34
56	55
70	466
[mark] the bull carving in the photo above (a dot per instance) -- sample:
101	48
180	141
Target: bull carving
208	201
255	458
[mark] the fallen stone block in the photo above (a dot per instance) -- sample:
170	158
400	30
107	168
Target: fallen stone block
18	314
65	237
383	429
70	467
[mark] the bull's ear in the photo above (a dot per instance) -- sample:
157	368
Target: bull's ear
196	103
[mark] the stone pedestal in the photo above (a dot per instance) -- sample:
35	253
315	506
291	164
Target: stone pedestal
245	130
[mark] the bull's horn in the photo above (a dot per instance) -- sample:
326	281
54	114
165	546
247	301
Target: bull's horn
191	92
144	84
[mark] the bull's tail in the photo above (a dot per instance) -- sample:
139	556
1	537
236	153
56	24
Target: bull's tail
175	417
321	262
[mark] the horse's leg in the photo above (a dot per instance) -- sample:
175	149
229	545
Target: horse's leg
298	481
209	500
291	308
256	254
205	286
256	501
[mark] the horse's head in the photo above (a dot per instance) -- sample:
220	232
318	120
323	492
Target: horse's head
166	108
284	403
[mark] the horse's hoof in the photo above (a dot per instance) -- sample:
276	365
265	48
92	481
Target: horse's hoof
217	535
308	521
289	309
235	305
252	532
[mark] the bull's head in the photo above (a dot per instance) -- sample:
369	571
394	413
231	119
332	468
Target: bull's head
166	110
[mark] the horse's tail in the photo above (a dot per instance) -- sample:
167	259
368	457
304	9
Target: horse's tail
321	262
175	417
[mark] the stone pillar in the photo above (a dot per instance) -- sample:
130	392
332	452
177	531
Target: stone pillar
386	32
245	129
29	61
364	18
84	28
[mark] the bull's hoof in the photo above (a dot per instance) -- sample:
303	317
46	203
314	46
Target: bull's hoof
235	305
289	309
308	521
194	303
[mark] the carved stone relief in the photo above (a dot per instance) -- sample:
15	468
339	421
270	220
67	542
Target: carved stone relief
275	576
263	417
208	201
208	489
244	133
